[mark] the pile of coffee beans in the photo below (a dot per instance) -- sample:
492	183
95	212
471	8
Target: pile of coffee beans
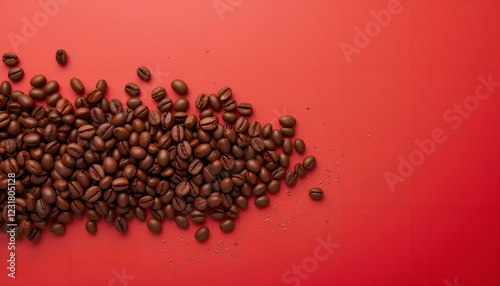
101	158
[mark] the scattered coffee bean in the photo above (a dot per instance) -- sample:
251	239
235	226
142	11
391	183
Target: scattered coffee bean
77	85
132	89
10	59
121	224
38	81
309	162
201	101
291	178
224	93
158	93
227	225
300	146
16	74
214	102
181	104
61	57
91	226
245	109
287	121
262	201
179	86
202	233
144	73
154	225
51	87
316	193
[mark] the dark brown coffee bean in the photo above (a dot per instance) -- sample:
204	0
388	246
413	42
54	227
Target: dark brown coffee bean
224	93
209	123
181	104
287	132
154	225
316	193
206	113
261	201
38	81
115	106
300	146
57	228
32	139
287	146
179	86
63	106
201	101
178	203
132	89
91	226
165	105
202	233
254	129
214	102
94	95
287	121
93	194
77	85
273	186
245	109
37	94
5	88
61	57
241	125
230	105
10	59
144	73
16	74
277	137
291	178
137	152
102	86
300	169
86	131
182	221
309	162
229	117
26	101
51	87
121	224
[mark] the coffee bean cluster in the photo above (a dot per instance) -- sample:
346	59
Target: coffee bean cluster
98	158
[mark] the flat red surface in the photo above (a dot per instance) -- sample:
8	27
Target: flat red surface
438	225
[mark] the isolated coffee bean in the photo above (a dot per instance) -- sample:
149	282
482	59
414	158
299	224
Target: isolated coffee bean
154	225
158	93
226	225
5	88
261	201
57	228
202	233
132	89
102	86
91	226
287	146
300	146
77	85
144	73
16	74
61	57
290	178
287	121
10	59
245	109
38	81
179	86
309	162
316	193
182	221
51	87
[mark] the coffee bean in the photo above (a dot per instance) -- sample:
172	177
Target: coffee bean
5	88
261	201
26	101
144	73
121	224
181	104
287	132
224	93
273	186
287	121
226	225
316	193
16	74
208	124
300	146
51	87
201	101
91	226
229	117
202	233
245	109
86	131
165	105
179	86
241	125
158	93
300	169
61	57
154	225
10	59
214	102
132	89
38	81
230	105
94	95
182	221
291	178
57	228
287	146
77	85
309	162
37	94
206	113
102	86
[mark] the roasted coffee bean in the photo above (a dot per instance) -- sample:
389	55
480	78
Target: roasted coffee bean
37	94
300	169
261	201
5	88
291	178
102	86
179	86
77	85
121	224
154	225
201	101
273	186
224	93
287	146
61	57
316	193
38	81
309	162
300	146
230	105
86	131
165	105
181	104
245	109
209	123
206	113
144	73
10	59
229	117
214	102
132	89
51	87
241	125
277	137
287	121
182	221
287	132
57	228
16	74
226	225
266	131
202	233
158	93
94	95
25	101
91	227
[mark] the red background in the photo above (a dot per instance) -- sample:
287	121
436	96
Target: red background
441	226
